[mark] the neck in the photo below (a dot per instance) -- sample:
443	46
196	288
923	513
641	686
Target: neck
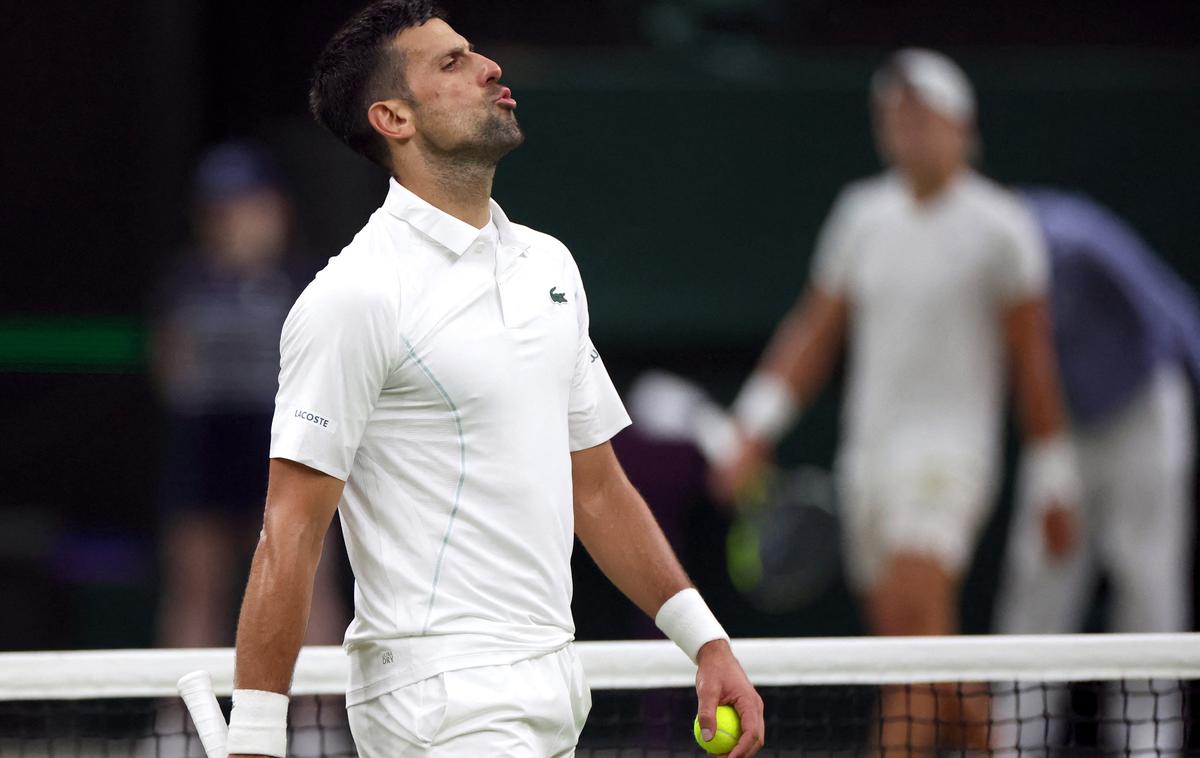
929	185
460	188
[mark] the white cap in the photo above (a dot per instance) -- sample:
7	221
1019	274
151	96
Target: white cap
936	79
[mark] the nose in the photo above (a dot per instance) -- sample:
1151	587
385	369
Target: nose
491	70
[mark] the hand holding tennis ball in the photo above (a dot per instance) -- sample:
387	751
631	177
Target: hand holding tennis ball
729	711
729	731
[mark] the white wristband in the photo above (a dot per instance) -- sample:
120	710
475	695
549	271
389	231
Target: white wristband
765	407
688	622
258	724
1050	473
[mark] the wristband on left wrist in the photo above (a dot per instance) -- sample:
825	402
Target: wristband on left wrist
686	619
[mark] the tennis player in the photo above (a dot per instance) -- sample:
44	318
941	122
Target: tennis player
936	278
439	388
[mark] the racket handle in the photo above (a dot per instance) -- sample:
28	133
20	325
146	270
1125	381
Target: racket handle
196	689
716	434
757	494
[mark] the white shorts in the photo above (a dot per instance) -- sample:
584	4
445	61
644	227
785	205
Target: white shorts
927	500
534	708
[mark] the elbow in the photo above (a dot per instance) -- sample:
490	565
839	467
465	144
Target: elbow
592	504
281	535
587	507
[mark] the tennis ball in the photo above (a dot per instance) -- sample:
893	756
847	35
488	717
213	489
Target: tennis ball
729	730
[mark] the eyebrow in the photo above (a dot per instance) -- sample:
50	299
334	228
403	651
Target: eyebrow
458	50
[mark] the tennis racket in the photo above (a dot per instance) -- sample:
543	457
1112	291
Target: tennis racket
196	689
782	550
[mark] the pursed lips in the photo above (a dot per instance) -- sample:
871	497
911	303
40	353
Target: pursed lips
505	99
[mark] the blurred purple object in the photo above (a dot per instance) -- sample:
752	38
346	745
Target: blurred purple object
670	476
1118	311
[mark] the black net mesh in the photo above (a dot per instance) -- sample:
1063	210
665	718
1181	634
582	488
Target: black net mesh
1122	718
153	728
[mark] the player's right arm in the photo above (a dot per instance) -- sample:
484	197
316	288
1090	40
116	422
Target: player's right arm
804	349
337	348
300	506
794	368
807	344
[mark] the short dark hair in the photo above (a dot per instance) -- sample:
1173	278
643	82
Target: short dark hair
357	68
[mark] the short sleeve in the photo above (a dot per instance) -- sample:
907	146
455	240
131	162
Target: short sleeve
336	351
833	256
595	412
1024	265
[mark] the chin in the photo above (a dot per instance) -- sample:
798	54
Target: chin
502	134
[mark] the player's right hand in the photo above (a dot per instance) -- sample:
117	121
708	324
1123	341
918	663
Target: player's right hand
728	482
1060	531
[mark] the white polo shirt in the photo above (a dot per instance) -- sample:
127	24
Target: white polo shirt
447	374
927	285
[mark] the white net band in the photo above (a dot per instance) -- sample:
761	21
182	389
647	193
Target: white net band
657	664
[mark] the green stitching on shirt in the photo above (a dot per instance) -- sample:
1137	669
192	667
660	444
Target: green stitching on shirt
462	478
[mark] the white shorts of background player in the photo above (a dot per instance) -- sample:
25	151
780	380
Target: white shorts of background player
915	492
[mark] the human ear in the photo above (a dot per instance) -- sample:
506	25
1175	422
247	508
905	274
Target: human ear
393	119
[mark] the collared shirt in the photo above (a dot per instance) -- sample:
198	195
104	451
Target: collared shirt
447	380
927	285
1118	312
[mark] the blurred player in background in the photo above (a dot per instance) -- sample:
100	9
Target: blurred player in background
216	361
440	390
1127	333
936	278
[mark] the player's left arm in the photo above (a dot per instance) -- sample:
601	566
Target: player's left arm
1050	466
620	533
1035	371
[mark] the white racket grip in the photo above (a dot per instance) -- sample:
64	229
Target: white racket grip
197	692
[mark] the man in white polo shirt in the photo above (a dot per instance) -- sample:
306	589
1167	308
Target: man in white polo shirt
439	388
936	278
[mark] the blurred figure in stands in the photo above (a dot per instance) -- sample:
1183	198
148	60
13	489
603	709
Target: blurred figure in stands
215	355
935	277
1127	333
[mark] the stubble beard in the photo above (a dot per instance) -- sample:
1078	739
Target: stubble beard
498	136
491	139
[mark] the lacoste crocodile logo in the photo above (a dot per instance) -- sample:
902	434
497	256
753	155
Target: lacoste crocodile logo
557	297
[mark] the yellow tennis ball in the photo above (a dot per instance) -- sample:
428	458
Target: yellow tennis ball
729	731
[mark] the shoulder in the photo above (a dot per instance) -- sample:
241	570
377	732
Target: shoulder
362	281
997	208
868	195
861	206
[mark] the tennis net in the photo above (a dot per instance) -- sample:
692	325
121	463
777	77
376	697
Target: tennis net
1066	695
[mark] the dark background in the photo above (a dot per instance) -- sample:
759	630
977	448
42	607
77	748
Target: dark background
686	151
